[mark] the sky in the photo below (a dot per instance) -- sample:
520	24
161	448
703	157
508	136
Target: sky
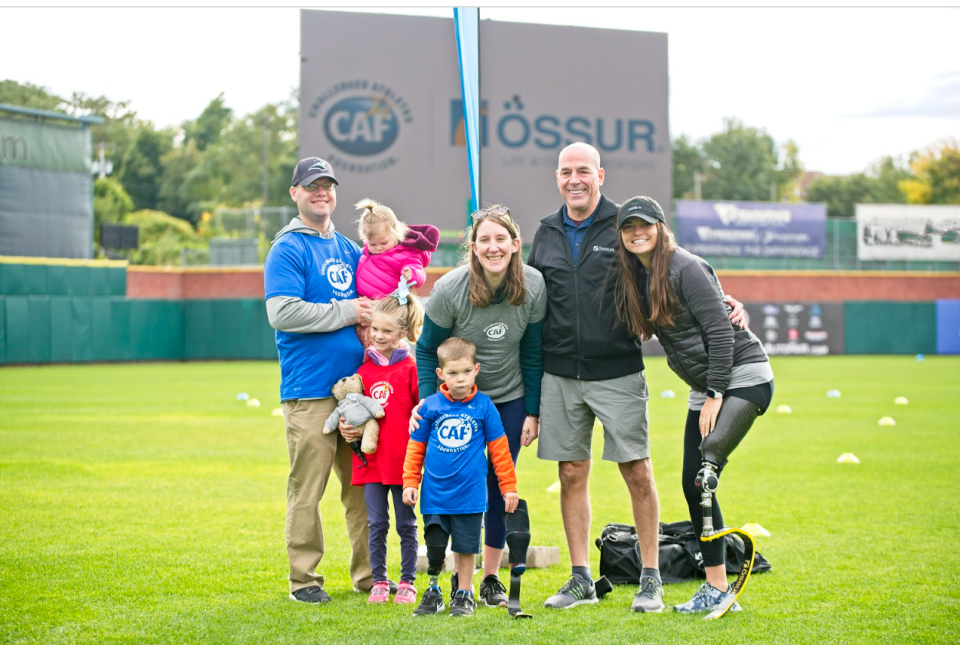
847	85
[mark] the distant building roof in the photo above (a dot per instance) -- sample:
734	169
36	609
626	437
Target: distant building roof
44	114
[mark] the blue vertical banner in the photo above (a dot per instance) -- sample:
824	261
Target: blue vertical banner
467	23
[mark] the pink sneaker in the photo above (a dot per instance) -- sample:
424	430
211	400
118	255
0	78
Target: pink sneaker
379	593
406	594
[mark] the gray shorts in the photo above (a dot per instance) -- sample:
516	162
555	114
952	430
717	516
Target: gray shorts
569	407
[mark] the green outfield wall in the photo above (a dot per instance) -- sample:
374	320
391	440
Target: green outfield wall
78	329
76	311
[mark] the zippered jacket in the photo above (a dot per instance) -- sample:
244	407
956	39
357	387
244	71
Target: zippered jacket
581	337
702	345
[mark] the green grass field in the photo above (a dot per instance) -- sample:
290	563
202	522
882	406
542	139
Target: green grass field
144	504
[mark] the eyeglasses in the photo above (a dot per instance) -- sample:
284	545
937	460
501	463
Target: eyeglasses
327	186
502	211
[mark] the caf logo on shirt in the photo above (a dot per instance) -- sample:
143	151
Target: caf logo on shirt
496	331
380	392
338	274
455	432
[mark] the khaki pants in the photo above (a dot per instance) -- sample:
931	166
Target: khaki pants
312	456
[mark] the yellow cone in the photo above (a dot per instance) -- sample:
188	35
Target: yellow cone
784	409
277	412
886	421
554	487
755	530
901	400
848	458
253	403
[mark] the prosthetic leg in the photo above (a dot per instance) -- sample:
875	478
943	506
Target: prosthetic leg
735	419
436	540
355	447
518	539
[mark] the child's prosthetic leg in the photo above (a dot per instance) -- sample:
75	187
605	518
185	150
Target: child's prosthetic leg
734	421
518	539
436	539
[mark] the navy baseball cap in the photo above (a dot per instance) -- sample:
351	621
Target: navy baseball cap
646	208
311	169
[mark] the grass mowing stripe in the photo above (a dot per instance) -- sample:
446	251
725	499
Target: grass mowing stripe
143	504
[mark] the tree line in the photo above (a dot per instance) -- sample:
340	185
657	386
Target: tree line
169	181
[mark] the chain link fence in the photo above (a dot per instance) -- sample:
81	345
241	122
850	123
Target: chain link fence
242	225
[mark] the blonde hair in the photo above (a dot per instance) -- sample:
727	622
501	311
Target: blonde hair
375	217
514	288
453	349
408	317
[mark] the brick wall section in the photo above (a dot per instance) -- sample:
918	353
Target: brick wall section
194	283
170	283
784	286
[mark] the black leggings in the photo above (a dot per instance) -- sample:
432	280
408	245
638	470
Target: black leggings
713	551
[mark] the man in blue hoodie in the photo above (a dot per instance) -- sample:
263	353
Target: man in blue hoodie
312	303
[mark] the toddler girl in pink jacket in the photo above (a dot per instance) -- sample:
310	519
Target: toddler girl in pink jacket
391	250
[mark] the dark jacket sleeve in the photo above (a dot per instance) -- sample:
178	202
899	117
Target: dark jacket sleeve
531	366
430	339
701	291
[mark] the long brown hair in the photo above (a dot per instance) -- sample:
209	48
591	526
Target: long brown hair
514	288
630	285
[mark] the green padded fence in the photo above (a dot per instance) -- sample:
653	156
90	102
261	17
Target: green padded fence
61	279
890	327
227	329
71	329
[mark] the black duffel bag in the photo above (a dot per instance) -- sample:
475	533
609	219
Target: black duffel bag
680	558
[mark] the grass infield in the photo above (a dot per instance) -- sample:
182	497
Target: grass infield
144	504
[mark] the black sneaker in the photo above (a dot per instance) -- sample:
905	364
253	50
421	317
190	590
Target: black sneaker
430	603
454	585
576	591
462	603
492	592
312	594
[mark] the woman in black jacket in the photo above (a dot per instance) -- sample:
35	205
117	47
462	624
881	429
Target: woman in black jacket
665	291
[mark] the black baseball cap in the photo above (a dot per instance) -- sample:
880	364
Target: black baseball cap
646	208
311	169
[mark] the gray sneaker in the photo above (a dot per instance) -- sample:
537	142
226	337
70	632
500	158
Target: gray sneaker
650	597
462	603
492	592
576	591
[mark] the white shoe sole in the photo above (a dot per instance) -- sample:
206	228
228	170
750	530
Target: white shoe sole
585	601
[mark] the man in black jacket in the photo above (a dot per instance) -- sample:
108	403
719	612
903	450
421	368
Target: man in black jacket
592	369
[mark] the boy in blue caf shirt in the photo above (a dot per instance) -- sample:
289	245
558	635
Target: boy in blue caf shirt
448	448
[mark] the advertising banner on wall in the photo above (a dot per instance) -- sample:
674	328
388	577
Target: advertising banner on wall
908	232
789	329
752	229
380	98
46	189
948	326
798	329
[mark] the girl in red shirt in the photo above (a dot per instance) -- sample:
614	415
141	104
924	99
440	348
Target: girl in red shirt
390	377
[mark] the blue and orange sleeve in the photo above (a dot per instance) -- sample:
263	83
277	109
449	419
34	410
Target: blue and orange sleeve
499	450
413	463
